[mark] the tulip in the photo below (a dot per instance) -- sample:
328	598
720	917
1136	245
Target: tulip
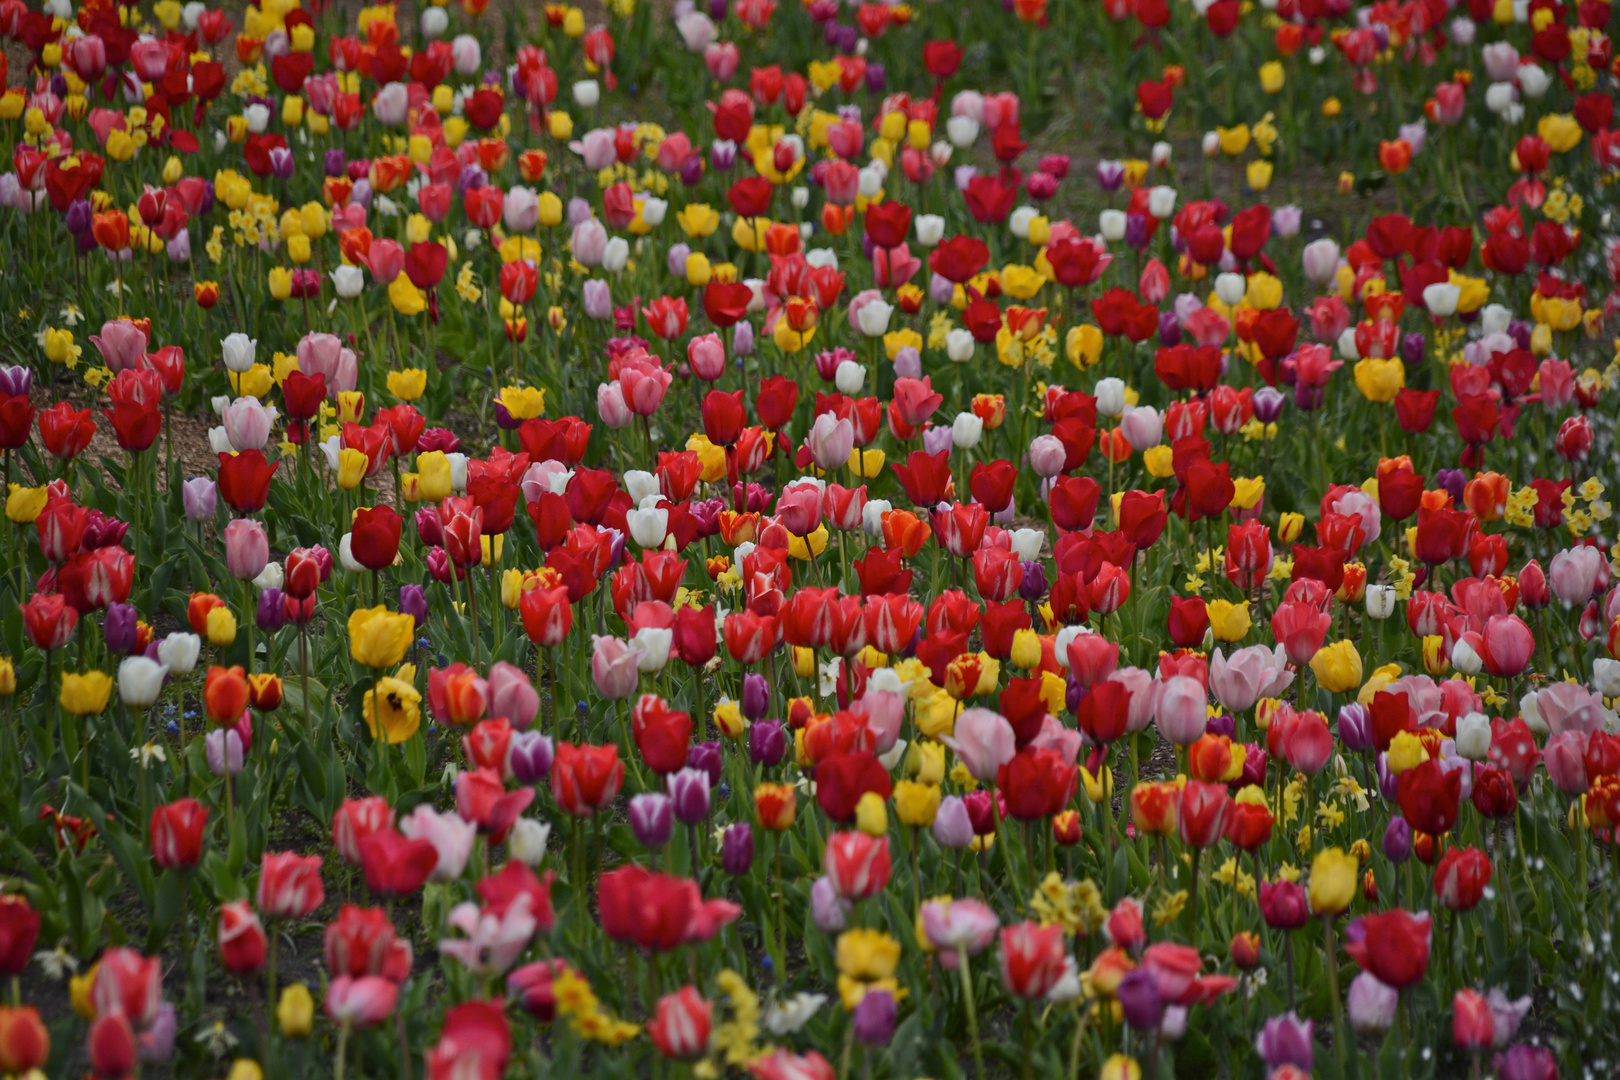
177	834
140	681
243	946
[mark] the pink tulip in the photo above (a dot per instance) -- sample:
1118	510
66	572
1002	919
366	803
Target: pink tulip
1047	455
450	836
984	741
512	695
362	1002
1564	707
325	354
884	711
643	383
1248	675
1575	574
707	355
1144	696
611	406
1507	643
590	238
247	548
799	508
613	667
1565	758
956	926
1300	630
1091	658
122	344
385	260
831	441
1181	710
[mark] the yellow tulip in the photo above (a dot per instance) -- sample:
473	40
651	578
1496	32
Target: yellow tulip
281	283
407	384
352	466
295	1013
1337	667
1271	76
551	209
378	637
523	402
406	297
871	814
1228	621
85	694
435	481
221	627
728	718
24	504
1333	881
399	713
698	220
1380	380
1083	345
915	804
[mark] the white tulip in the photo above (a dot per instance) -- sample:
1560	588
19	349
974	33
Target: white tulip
616	255
959	345
930	229
872	516
966	430
527	841
640	484
1162	201
1231	288
647	527
962	131
874	318
179	652
240	351
849	378
1111	223
1474	736
652	646
140	681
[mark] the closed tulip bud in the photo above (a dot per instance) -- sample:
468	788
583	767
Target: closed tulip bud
652	819
737	849
1332	881
871	814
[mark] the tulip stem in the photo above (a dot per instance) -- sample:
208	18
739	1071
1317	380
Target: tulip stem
1192	896
1331	947
342	1046
967	1001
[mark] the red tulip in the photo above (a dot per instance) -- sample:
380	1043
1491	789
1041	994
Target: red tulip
49	620
357	819
842	779
290	885
482	798
1104	711
243	945
1201	818
1394	947
177	834
1473	1025
1033	958
361	942
65	431
19	930
856	864
681	1023
585	779
396	866
244	480
1039	783
374	540
1461	877
1428	795
547	615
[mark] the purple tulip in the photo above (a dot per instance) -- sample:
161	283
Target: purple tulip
413	602
1453	480
79	217
15	380
1138	995
876	78
767	742
1110	175
1412	346
1268	404
706	757
1524	1062
737	849
531	755
742	341
756	695
1137	232
1398	840
874	1018
121	628
953	828
1355	728
334	162
652	819
692	170
1221	724
1286	1040
1169	328
908	364
827	908
156	1043
722	155
1034	586
282	162
1308	398
689	794
271	614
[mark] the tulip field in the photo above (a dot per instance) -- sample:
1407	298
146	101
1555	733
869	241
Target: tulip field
809	540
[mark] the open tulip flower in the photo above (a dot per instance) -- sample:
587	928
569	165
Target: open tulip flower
770	539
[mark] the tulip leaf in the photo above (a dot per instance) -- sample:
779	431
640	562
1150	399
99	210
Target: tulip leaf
136	867
165	907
